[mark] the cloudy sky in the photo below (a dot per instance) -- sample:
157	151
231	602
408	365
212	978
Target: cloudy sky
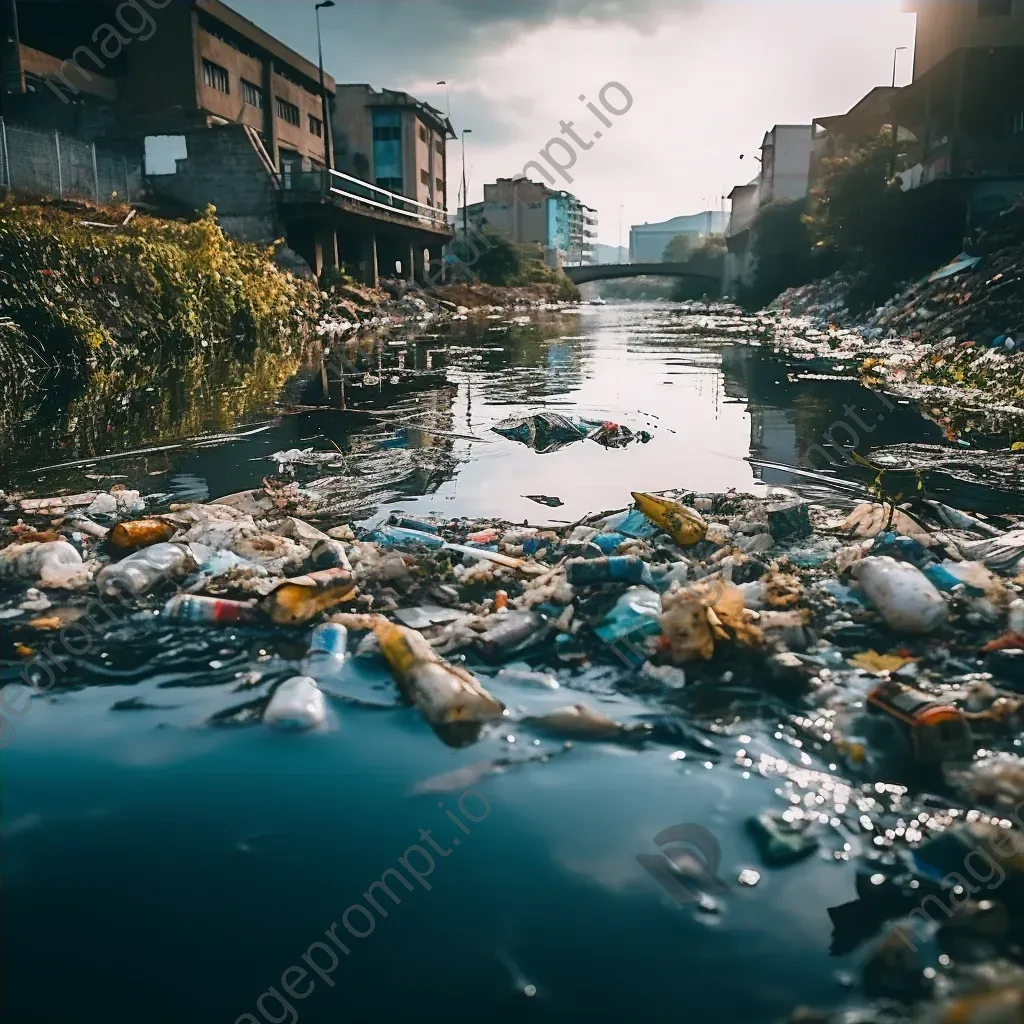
707	79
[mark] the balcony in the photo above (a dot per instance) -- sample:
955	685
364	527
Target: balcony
361	197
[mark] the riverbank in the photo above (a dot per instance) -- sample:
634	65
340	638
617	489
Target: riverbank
97	303
954	338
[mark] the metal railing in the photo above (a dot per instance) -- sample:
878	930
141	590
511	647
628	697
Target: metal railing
373	196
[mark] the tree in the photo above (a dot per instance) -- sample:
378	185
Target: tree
678	249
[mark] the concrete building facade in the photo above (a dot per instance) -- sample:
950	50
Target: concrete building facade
168	70
647	241
394	141
966	102
785	163
530	213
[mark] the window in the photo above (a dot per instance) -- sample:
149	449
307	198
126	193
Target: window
316	126
387	132
440	147
216	77
288	112
439	186
391	184
425	178
424	135
252	94
995	8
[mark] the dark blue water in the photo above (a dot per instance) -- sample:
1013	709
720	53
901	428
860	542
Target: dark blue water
165	861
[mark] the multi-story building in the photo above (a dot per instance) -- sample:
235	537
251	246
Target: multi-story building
83	66
394	141
785	163
966	102
738	268
530	213
647	242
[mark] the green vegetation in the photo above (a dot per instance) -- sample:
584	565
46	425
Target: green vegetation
92	316
706	258
493	260
782	253
154	290
678	249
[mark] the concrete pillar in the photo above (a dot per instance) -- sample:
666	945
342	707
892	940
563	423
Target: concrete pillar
371	273
411	265
326	249
420	266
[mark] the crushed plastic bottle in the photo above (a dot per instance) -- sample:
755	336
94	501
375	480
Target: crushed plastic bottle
401	537
684	525
140	573
903	595
296	601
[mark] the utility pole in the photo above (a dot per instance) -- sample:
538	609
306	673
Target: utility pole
324	108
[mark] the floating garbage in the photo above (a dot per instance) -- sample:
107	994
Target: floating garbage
445	694
300	599
904	596
297	704
550	431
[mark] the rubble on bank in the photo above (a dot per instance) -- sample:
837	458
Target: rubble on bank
887	643
956	335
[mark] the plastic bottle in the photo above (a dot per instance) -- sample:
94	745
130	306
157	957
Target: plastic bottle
510	632
446	695
194	608
619	568
296	704
1016	620
295	601
329	638
903	595
140	533
139	573
416	525
401	537
684	525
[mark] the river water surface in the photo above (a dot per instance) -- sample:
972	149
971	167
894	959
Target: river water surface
167	868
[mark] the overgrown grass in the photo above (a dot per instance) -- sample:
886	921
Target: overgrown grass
155	290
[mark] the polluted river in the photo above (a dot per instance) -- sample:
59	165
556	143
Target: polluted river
713	845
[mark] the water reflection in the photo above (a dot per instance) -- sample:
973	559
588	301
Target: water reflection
411	415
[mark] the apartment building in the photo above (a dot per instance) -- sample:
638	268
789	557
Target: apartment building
966	102
530	213
85	67
394	141
785	163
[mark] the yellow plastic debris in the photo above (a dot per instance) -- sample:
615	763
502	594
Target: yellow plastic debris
684	525
877	664
444	693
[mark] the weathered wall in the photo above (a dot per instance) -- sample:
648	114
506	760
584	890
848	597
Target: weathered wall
222	168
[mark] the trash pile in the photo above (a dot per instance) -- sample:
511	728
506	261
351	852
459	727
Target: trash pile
887	639
960	327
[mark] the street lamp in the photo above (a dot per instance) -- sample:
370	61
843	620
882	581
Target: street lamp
892	112
325	113
465	194
894	52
